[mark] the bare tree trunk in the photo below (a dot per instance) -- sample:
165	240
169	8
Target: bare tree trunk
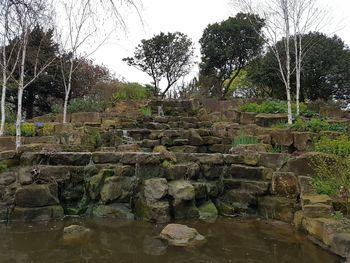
68	90
3	112
3	94
65	105
19	117
285	9
20	91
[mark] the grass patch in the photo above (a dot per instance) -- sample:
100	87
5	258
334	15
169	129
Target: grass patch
88	104
146	111
243	138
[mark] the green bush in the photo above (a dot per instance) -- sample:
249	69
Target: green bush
28	129
317	125
131	91
339	146
146	111
88	104
48	129
273	106
10	129
242	138
332	176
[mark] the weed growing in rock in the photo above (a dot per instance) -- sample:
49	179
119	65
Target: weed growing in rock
332	177
146	111
242	138
3	167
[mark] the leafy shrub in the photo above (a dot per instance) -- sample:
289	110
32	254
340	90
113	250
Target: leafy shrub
28	129
332	176
315	125
97	138
56	108
242	138
251	107
48	129
131	91
339	146
273	106
88	104
10	129
146	111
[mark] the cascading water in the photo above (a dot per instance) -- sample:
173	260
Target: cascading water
126	138
160	111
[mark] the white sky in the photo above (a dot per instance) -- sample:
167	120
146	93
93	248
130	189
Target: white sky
190	17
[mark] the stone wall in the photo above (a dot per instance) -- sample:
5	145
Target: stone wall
149	186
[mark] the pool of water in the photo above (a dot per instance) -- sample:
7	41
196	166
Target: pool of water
228	240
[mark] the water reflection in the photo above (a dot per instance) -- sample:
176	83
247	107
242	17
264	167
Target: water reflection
228	241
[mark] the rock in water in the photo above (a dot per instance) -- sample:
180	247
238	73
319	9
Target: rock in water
182	236
75	235
154	246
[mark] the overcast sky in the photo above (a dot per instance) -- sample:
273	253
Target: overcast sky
190	17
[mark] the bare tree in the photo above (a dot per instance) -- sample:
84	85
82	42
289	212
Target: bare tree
9	29
276	14
28	14
85	24
305	16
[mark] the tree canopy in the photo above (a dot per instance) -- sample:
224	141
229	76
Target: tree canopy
229	46
168	56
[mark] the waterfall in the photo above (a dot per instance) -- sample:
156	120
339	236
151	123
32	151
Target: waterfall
126	138
160	111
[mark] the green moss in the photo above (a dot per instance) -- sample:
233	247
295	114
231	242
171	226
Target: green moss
208	211
3	167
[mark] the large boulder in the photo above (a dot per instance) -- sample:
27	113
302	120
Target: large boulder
208	211
268	119
115	211
155	188
281	137
181	190
36	195
303	141
285	184
275	207
118	188
45	213
152	211
302	165
75	235
182	236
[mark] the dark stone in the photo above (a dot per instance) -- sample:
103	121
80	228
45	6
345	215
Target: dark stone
45	213
35	195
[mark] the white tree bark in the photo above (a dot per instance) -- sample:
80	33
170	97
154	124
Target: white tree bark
20	91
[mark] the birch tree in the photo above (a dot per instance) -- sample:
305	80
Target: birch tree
28	13
305	16
276	14
9	29
85	28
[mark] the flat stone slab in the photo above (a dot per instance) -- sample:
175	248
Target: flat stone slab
315	199
181	235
